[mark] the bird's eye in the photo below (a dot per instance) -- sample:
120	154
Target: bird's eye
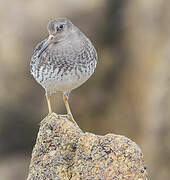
61	26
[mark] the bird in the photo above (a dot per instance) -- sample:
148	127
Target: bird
63	61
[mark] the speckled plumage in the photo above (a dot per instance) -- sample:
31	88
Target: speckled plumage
67	62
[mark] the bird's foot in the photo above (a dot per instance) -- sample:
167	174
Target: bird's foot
68	116
59	116
52	114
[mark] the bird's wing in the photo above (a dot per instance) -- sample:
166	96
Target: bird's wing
34	56
86	52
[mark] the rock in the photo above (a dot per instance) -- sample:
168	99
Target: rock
64	151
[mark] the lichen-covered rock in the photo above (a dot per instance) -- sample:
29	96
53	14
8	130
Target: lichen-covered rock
63	151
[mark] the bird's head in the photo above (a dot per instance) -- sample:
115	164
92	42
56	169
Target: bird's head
59	29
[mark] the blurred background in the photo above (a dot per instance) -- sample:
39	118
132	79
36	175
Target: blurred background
129	94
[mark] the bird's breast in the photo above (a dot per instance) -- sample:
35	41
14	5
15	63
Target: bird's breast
64	66
64	80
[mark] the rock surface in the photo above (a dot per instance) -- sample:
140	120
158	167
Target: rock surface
64	151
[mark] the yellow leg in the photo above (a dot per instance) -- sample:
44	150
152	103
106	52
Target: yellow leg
49	103
65	98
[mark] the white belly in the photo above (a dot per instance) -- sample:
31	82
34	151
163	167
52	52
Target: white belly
64	81
68	83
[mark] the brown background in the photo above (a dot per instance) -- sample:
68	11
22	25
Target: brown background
129	93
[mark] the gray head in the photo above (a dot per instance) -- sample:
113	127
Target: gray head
59	28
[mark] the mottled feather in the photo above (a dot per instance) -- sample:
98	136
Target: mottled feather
66	64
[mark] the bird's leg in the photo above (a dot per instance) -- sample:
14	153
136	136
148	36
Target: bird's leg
49	103
65	99
51	114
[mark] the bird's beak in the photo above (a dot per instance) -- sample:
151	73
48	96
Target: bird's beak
45	45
